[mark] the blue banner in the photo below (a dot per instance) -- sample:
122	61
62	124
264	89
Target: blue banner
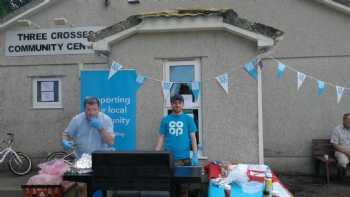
117	96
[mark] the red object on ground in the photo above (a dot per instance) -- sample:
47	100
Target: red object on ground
212	170
47	190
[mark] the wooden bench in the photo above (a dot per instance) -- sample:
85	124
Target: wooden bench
320	148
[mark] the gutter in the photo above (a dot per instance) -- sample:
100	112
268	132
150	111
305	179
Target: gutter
342	8
25	13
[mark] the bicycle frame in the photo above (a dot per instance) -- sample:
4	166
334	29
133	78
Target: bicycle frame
6	151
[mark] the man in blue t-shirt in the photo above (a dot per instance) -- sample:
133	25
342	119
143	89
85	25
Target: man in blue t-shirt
177	132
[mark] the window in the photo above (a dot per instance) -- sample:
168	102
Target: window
47	93
182	74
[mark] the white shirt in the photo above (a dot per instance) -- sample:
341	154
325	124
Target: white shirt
341	136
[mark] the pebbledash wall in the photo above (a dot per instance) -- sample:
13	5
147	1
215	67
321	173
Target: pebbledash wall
315	42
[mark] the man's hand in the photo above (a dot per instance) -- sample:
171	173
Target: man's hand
67	144
95	123
195	159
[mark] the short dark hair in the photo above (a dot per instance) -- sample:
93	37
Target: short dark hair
177	97
346	115
91	100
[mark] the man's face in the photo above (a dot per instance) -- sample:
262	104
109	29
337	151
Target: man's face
91	110
346	122
177	106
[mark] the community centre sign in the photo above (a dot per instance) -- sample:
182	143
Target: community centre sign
59	41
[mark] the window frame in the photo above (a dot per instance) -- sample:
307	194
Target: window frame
46	105
197	77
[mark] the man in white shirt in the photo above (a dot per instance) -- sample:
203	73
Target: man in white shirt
341	141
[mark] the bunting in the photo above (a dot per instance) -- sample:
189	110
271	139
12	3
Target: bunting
223	81
301	78
250	68
115	67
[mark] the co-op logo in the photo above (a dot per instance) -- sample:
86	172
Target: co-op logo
176	128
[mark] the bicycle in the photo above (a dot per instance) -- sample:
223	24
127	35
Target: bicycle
18	162
68	156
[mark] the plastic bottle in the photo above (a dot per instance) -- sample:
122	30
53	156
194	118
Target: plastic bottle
268	183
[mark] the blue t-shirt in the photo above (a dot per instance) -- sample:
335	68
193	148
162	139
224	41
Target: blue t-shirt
87	138
176	130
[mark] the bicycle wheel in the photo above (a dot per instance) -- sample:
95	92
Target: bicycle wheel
60	155
56	155
21	165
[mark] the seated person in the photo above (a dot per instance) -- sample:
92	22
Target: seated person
341	141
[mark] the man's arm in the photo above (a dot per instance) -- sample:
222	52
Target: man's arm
107	132
68	135
107	136
341	149
335	140
194	142
65	136
70	132
160	142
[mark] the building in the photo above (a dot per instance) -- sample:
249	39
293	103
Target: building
265	119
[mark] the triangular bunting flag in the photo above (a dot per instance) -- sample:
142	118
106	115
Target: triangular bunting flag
320	87
166	85
196	89
223	81
301	79
250	68
280	70
115	67
340	91
141	78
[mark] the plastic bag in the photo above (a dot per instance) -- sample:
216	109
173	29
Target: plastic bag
55	167
237	173
50	173
45	179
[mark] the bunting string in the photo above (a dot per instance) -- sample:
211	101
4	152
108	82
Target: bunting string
306	75
250	67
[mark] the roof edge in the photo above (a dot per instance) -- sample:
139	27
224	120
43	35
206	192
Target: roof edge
339	5
229	17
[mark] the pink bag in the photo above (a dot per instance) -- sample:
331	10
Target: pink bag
50	174
44	179
54	167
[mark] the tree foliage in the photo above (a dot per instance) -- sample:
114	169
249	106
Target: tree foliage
7	6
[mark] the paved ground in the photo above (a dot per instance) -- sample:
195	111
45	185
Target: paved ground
10	185
311	186
300	186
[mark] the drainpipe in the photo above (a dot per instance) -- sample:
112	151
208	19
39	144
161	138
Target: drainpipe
260	118
33	9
